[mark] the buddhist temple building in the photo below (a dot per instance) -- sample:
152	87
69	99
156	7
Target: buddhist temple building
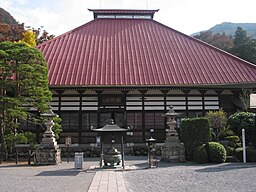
124	65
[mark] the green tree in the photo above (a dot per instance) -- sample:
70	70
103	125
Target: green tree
23	85
244	46
243	120
217	121
57	127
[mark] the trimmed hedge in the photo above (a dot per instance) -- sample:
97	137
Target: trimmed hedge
200	154
216	152
250	154
194	132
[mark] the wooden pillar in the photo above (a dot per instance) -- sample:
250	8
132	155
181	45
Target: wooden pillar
219	92
101	150
125	114
186	92
80	124
165	108
203	101
99	92
143	112
122	149
238	105
60	92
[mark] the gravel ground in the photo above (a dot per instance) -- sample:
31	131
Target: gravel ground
54	178
188	177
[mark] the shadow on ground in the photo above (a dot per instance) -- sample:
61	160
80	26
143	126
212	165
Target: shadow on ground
62	172
226	167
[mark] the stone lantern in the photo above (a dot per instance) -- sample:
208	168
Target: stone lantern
48	152
171	122
152	161
174	150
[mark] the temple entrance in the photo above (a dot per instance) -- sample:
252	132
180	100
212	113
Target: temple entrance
117	116
111	107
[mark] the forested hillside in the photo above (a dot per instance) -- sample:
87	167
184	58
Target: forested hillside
10	30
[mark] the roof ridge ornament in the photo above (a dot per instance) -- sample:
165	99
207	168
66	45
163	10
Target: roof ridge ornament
124	13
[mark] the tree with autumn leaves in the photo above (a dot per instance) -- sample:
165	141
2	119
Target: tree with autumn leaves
29	38
221	41
240	44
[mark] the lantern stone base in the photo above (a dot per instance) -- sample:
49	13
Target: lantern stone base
173	151
48	152
47	156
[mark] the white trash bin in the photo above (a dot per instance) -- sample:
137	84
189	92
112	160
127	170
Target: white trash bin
79	159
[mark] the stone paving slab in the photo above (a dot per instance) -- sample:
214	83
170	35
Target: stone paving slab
108	181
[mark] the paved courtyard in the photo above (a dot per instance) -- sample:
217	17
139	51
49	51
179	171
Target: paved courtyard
231	177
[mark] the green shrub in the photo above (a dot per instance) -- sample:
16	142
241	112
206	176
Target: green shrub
230	151
250	154
234	139
11	140
200	154
31	137
21	138
225	133
239	153
216	152
194	132
243	120
140	151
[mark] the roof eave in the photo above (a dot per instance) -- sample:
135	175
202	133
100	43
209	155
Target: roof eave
249	85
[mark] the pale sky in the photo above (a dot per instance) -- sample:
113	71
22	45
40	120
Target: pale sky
186	16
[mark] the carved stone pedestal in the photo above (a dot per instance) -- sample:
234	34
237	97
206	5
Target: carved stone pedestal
173	151
48	157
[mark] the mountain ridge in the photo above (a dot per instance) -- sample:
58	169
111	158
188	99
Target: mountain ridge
229	29
10	29
7	18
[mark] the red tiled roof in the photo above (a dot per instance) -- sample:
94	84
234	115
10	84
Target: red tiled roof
138	52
